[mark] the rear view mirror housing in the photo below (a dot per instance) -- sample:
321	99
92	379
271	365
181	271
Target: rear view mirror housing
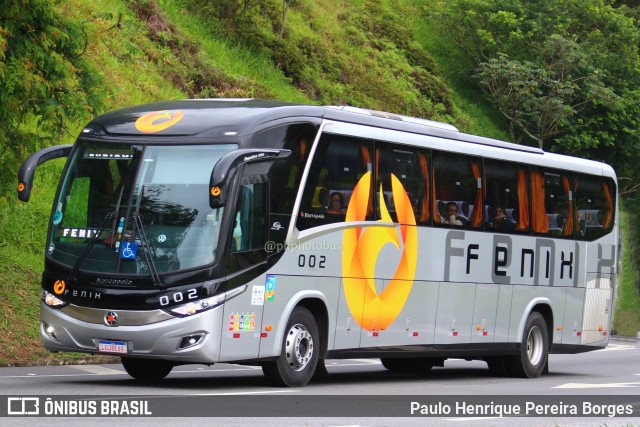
28	168
218	184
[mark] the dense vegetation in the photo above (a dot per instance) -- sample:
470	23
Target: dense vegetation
558	74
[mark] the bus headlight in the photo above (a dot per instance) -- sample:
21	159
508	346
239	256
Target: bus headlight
51	300
199	306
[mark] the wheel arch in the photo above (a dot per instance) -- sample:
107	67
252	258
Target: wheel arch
314	301
542	306
318	309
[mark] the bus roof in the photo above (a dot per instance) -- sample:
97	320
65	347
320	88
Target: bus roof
207	118
231	119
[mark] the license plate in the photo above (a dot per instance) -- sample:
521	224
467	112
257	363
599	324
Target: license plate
112	347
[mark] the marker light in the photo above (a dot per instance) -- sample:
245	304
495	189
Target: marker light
51	300
207	303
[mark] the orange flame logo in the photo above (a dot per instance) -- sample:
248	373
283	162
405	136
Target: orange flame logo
360	250
157	121
58	287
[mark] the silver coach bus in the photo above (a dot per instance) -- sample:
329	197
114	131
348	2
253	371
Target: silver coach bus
257	232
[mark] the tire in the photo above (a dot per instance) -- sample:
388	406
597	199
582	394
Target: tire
497	366
408	364
534	349
300	352
146	369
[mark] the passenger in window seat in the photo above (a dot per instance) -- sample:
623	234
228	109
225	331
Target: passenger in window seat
500	221
336	201
450	214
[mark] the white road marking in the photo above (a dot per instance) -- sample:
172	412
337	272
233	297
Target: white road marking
609	385
92	370
617	347
55	375
98	370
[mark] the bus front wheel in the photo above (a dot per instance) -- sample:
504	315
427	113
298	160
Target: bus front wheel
146	369
534	349
299	354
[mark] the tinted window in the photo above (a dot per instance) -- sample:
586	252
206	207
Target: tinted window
458	190
506	208
411	167
339	164
285	175
595	206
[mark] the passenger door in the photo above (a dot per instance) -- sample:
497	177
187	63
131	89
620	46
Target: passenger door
246	262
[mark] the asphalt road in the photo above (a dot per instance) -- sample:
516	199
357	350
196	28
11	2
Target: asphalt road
357	393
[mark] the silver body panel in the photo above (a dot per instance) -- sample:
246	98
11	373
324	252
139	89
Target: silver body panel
459	295
437	312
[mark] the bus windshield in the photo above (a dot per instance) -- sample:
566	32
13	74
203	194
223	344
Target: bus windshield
132	209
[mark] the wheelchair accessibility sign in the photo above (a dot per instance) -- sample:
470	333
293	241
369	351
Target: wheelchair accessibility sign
129	250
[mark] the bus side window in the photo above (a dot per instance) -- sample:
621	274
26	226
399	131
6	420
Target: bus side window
411	168
285	175
457	180
507	202
594	206
339	164
559	205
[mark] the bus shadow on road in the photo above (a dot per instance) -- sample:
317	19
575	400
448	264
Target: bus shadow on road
239	378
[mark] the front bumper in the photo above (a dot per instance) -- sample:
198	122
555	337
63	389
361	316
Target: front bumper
161	339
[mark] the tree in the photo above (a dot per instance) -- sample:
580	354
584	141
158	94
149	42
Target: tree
285	6
563	72
46	81
540	100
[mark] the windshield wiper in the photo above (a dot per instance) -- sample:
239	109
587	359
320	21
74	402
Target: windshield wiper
92	242
146	249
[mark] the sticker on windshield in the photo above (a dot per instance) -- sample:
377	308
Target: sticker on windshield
57	217
129	250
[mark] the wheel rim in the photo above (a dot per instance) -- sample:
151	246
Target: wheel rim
299	347
535	346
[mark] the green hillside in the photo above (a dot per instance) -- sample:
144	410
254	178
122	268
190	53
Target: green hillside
64	62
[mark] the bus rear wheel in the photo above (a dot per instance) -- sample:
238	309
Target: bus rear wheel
146	369
534	349
299	354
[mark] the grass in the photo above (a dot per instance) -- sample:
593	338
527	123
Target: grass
626	314
236	60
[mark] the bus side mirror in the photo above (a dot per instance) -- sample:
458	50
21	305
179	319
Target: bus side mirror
219	185
28	168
